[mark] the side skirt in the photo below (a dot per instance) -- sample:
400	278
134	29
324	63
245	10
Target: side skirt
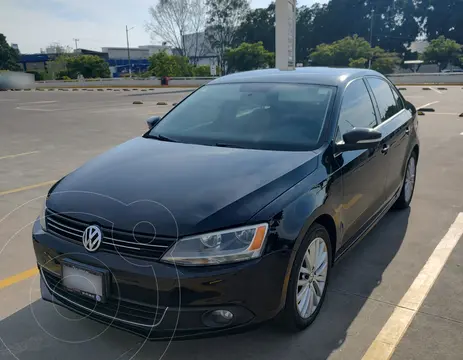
366	228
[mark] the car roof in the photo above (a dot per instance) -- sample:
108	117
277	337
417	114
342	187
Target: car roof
302	75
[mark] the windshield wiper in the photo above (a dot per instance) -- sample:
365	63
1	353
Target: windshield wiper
220	144
162	138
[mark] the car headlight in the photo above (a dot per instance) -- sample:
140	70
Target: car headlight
227	246
42	215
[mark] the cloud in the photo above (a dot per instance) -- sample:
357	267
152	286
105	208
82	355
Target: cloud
34	24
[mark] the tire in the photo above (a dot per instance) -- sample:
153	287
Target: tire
291	316
406	194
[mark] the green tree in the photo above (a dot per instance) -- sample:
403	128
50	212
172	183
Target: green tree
202	70
89	66
442	51
311	29
163	64
396	23
354	52
385	62
443	18
249	57
225	16
359	63
9	57
183	66
258	25
341	52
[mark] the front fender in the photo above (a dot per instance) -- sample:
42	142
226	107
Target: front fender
293	213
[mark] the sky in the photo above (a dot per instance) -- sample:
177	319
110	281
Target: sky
34	24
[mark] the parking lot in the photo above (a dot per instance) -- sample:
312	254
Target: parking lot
382	295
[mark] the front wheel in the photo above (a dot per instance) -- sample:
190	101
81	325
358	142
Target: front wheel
309	279
408	186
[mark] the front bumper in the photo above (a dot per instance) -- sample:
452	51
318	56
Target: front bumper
158	300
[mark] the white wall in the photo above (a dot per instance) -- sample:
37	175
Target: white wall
154	49
121	53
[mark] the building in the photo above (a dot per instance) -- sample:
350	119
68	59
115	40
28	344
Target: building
35	62
103	55
199	50
154	49
118	58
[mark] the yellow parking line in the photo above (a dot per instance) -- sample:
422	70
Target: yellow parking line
24	188
18	277
392	332
16	155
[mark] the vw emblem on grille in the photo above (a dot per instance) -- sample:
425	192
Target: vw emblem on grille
92	238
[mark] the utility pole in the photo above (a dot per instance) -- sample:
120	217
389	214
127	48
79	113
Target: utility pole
371	33
128	48
76	41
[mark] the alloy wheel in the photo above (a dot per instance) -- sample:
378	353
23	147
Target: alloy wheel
312	278
410	179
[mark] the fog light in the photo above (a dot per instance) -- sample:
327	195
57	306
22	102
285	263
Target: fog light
222	316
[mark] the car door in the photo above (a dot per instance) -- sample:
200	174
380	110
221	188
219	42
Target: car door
363	171
396	123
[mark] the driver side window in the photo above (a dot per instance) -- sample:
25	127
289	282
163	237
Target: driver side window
356	109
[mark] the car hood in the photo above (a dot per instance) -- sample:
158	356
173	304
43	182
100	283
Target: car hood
175	189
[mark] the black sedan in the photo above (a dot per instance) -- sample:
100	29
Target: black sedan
232	208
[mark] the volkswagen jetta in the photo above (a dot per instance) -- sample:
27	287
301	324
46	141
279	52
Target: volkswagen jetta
232	208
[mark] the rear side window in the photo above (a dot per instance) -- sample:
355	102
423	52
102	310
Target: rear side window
398	99
387	103
356	109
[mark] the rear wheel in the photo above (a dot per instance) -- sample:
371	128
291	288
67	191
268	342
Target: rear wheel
408	187
309	279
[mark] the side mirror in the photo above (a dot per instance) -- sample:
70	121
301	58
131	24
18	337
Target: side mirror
410	106
152	121
359	139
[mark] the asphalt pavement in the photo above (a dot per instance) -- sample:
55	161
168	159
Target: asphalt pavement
45	135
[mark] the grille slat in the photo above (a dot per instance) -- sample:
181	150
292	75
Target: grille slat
79	232
124	243
124	246
136	243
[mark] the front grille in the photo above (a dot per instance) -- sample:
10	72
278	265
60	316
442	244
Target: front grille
113	309
121	242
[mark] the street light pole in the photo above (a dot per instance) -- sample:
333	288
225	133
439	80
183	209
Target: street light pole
128	48
371	34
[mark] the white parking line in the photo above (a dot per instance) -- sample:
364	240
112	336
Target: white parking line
453	114
428	104
38	102
392	332
16	155
34	109
437	91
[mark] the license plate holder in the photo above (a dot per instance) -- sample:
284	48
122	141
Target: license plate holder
85	280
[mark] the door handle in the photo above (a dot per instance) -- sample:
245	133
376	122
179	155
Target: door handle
407	131
385	149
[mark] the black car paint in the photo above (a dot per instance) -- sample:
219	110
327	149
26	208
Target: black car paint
210	188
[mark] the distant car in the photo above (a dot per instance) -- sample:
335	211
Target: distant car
233	207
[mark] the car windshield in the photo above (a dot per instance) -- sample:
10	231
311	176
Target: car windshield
267	116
